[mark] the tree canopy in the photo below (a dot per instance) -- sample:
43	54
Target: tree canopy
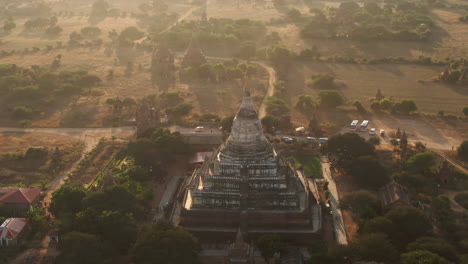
422	257
269	245
162	243
411	224
363	203
67	200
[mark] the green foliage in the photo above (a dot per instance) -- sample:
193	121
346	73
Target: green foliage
386	104
331	98
370	22
76	247
161	148
349	146
323	81
179	110
90	32
105	224
406	106
269	245
219	33
381	225
368	172
423	257
465	110
444	216
305	104
434	245
276	106
22	112
310	164
161	243
462	150
362	203
411	224
67	200
226	123
421	162
373	247
114	198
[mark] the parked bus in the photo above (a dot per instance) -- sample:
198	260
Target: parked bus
353	125
364	125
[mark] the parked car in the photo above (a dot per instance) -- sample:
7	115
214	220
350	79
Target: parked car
287	140
199	129
323	140
382	133
372	132
311	139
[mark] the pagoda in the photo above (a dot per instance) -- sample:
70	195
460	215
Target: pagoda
246	184
193	57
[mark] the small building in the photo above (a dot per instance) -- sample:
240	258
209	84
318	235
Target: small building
53	235
12	230
445	173
240	252
394	195
18	200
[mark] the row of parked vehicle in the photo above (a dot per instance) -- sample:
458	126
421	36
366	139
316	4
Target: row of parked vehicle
289	140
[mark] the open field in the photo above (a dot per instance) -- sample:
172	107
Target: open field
30	170
395	81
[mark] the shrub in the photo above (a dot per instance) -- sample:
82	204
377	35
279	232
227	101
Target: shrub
22	112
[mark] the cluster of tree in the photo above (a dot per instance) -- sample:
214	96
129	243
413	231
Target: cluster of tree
48	25
24	89
406	106
324	82
241	36
403	21
9	25
159	149
358	158
403	233
220	72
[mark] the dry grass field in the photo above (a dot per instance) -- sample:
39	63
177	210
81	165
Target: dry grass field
396	81
17	142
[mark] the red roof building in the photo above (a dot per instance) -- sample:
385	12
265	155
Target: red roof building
12	230
19	199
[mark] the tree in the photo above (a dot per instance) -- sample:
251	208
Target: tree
276	106
76	248
465	110
305	104
411	223
269	245
270	121
67	200
131	34
422	257
444	216
463	150
368	172
434	245
363	203
373	247
379	224
331	98
386	104
375	106
349	146
90	32
226	123
406	106
104	224
162	243
114	198
9	25
421	162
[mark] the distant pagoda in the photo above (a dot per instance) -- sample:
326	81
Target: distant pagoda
162	68
193	57
245	184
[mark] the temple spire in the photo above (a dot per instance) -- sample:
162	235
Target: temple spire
239	239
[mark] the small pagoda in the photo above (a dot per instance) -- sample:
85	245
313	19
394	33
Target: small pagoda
193	57
162	68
